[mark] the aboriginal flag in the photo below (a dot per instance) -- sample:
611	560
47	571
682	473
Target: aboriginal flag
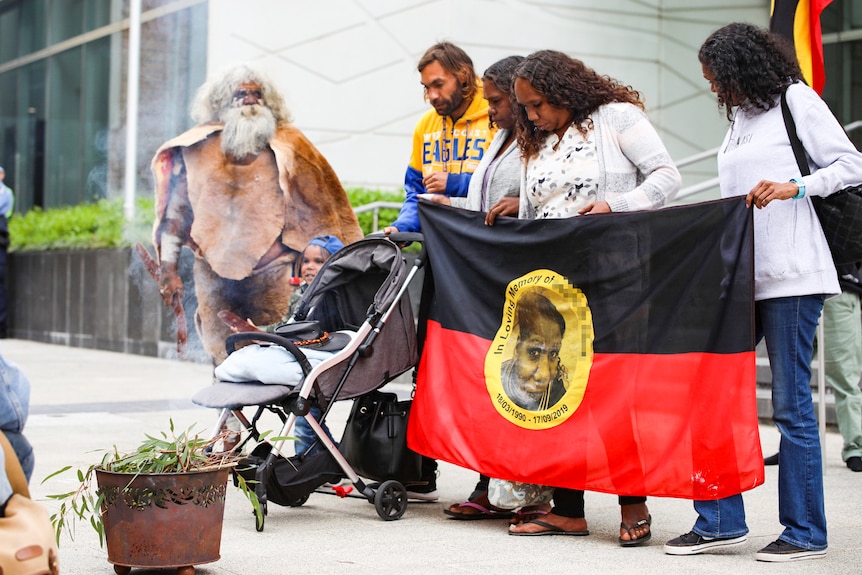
611	352
799	21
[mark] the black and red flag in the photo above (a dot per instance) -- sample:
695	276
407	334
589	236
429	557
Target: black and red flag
799	22
610	353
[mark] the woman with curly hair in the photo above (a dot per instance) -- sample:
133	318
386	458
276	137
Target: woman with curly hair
588	148
750	70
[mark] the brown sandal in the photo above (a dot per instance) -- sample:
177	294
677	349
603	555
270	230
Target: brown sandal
481	512
475	508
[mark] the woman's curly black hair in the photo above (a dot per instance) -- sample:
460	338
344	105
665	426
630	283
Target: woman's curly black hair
566	83
750	66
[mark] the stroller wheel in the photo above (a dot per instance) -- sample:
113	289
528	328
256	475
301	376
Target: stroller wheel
390	500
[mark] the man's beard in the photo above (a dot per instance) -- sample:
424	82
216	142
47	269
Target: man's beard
447	106
247	130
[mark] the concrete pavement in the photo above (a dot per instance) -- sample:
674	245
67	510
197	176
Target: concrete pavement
87	400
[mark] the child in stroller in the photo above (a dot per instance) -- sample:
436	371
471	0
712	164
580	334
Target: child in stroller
315	254
352	333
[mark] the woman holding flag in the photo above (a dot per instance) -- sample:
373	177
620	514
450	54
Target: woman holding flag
751	70
588	148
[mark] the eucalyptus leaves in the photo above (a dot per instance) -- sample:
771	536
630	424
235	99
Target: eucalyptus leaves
186	452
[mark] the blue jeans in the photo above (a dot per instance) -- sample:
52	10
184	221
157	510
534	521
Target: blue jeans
24	451
305	436
789	325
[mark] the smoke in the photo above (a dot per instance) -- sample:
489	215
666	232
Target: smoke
97	178
158	323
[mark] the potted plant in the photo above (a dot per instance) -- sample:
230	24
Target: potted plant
158	506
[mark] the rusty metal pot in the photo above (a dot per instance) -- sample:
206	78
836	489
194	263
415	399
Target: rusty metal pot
163	520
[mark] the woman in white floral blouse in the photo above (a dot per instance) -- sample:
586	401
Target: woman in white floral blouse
588	148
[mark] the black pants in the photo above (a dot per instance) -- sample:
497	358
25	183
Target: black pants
429	470
570	502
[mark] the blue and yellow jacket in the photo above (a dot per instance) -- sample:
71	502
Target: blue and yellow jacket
441	145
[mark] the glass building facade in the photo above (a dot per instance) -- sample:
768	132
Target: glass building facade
63	67
842	55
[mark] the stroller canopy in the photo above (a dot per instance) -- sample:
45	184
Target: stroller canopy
360	283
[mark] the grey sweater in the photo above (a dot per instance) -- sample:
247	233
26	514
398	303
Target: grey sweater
504	178
791	256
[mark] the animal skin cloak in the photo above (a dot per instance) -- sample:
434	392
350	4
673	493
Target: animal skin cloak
236	216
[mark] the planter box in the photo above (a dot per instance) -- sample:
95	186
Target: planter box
105	299
163	520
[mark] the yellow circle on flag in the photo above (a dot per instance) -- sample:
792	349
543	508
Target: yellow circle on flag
538	365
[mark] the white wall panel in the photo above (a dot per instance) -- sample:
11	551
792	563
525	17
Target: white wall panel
348	67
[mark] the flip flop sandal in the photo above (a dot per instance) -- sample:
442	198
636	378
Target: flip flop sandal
483	512
550	530
640	540
528	513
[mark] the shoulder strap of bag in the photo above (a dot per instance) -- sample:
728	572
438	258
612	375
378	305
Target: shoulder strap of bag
13	468
795	143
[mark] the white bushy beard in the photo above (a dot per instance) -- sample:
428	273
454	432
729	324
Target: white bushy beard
247	130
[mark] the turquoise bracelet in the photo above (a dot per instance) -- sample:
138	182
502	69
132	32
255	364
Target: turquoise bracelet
801	185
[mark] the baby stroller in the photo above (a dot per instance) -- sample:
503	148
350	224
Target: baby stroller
359	304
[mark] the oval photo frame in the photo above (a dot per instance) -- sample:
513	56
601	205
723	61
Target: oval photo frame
567	303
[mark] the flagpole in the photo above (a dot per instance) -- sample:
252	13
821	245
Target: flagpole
131	167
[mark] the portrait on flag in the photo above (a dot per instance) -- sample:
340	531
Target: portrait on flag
537	367
640	346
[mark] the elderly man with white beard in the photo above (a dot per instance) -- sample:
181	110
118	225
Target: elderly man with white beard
245	191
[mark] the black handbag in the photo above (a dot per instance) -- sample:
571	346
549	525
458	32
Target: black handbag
840	214
375	439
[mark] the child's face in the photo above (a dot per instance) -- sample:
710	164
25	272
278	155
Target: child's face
312	258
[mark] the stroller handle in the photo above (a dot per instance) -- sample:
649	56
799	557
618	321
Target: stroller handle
406	237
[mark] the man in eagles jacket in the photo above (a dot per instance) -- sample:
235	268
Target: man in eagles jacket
450	139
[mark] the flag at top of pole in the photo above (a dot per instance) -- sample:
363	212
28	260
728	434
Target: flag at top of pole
799	21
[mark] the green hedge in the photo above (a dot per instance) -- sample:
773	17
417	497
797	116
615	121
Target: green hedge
102	224
360	197
87	226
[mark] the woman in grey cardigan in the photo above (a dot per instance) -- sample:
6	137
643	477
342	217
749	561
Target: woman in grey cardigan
494	189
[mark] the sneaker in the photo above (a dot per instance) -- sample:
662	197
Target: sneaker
780	551
691	544
771	460
425	491
854	463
